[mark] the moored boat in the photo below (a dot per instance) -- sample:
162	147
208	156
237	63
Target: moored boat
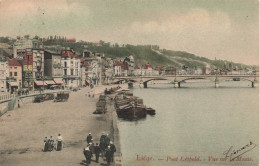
150	111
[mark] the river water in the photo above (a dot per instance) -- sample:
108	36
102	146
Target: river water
196	122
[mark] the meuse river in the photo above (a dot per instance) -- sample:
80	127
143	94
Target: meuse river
194	125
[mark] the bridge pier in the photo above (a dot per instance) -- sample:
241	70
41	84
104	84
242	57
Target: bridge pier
145	84
175	82
216	83
254	83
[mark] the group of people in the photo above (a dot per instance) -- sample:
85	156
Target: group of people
49	143
105	147
89	95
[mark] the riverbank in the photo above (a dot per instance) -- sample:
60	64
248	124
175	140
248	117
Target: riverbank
23	130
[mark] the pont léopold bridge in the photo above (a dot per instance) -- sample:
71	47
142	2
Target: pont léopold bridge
178	79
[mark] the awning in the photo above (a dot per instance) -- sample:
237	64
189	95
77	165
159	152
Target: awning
40	83
13	83
50	82
58	81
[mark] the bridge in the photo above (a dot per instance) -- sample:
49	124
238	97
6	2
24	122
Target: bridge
178	79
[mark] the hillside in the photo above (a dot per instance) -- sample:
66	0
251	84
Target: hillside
144	54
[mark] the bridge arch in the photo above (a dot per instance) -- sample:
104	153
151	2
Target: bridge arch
145	82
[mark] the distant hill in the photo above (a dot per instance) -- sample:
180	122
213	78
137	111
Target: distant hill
143	54
148	54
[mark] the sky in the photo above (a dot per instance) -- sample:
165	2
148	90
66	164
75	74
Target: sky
221	29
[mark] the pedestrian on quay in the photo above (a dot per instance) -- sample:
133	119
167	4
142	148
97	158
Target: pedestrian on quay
87	154
113	150
89	137
107	140
45	145
102	144
108	155
91	148
97	152
59	142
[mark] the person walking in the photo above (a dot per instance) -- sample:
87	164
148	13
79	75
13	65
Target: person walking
89	137
97	152
59	142
102	144
45	145
91	148
87	154
107	140
113	150
50	143
108	155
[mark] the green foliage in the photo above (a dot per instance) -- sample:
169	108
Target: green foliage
5	40
143	54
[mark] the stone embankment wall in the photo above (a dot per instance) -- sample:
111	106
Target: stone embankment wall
9	105
118	155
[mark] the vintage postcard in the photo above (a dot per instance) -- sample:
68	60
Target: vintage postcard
129	82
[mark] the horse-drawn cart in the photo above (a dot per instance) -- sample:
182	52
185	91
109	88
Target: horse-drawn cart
62	97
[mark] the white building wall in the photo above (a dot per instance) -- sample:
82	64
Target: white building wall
4	73
72	79
117	70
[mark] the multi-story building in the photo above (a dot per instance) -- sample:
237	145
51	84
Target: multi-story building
33	68
94	71
84	72
4	74
170	70
117	68
158	71
15	75
148	69
53	70
130	63
23	43
71	68
109	71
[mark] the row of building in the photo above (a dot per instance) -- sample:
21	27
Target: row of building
34	66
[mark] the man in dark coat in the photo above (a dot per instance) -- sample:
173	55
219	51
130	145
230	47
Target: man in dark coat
107	140
97	152
89	137
108	155
87	154
102	144
92	148
45	147
113	150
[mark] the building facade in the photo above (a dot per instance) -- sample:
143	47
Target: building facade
4	74
15	75
71	68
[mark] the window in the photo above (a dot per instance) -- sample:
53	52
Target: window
65	72
15	67
15	73
76	72
65	64
71	81
71	72
11	74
